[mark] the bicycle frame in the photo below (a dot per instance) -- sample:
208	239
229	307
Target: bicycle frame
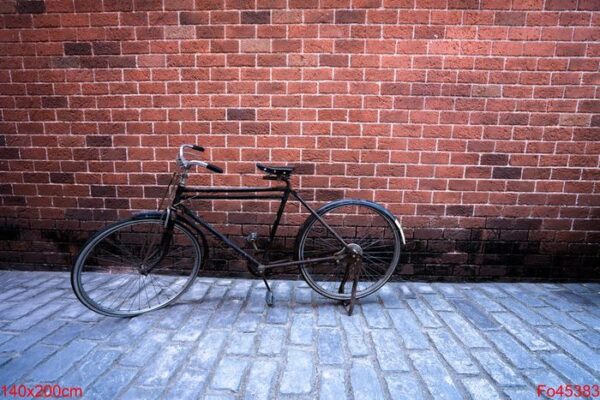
281	193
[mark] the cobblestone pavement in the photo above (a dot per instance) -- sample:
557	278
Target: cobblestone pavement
411	340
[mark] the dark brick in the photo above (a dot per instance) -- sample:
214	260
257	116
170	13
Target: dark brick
241	114
6	189
428	233
14	200
494	159
256	17
510	18
98	141
57	177
9	153
463	4
118	5
350	16
589	5
78	49
31	7
104	48
54	102
528	223
94	62
18	21
328	194
193	18
561	5
80	214
105	215
589	106
65	62
304	169
458	210
507	173
122	62
117	204
440	246
103	191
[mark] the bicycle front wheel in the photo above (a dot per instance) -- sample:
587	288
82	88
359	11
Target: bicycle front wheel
365	225
136	266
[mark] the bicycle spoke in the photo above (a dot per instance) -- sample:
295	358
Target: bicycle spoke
361	225
117	286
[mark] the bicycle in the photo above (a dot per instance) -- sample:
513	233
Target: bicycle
345	250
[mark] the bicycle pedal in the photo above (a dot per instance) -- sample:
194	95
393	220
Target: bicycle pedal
252	238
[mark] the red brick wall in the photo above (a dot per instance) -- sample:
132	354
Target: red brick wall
476	122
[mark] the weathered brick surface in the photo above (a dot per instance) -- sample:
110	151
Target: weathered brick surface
476	122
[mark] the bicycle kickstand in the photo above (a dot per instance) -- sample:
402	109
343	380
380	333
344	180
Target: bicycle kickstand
269	298
349	304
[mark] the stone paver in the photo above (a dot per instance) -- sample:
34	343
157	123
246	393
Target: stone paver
220	341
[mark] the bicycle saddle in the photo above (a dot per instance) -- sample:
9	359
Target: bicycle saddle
278	171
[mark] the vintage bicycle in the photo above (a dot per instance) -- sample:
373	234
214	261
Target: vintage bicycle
345	250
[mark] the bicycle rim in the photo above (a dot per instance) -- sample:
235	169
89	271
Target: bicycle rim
107	276
356	222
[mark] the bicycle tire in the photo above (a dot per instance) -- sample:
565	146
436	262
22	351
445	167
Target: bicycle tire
165	283
315	274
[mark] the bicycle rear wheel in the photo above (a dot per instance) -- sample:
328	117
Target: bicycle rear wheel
365	225
136	266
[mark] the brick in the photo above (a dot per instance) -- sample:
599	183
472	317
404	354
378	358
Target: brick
96	364
256	17
480	388
350	16
241	114
205	355
436	377
260	379
364	381
465	332
389	354
454	354
573	347
473	314
17	367
229	374
271	341
31	7
329	347
353	329
297	376
513	351
525	334
408	329
78	48
112	383
507	173
62	361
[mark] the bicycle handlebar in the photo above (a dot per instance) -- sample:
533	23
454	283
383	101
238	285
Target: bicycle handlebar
185	163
